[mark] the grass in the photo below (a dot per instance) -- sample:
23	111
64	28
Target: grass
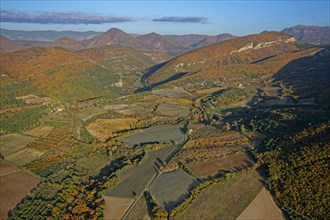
24	157
57	123
170	110
12	143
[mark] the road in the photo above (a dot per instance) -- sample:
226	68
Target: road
154	177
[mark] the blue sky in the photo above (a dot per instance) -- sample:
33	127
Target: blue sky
164	17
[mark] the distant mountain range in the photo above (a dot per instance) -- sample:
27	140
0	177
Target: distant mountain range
47	36
310	34
7	45
171	44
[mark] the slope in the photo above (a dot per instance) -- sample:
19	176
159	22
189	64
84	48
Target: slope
7	45
316	35
57	73
244	57
164	44
123	60
67	43
113	36
213	40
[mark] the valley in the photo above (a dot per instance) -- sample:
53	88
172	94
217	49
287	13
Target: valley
150	127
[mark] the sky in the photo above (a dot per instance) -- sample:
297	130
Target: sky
164	17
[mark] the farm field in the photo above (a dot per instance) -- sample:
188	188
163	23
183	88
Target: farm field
139	211
12	143
262	207
170	110
129	186
15	185
166	134
55	137
138	108
24	157
232	162
226	200
41	131
115	207
93	163
103	129
176	92
6	168
171	188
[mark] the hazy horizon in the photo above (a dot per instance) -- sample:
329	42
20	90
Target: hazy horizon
171	17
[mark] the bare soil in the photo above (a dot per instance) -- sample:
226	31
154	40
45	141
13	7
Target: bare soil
15	185
262	207
115	207
233	162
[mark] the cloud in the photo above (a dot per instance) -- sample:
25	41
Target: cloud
178	19
60	18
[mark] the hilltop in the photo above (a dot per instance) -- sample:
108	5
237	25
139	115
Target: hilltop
310	34
67	43
7	45
236	58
